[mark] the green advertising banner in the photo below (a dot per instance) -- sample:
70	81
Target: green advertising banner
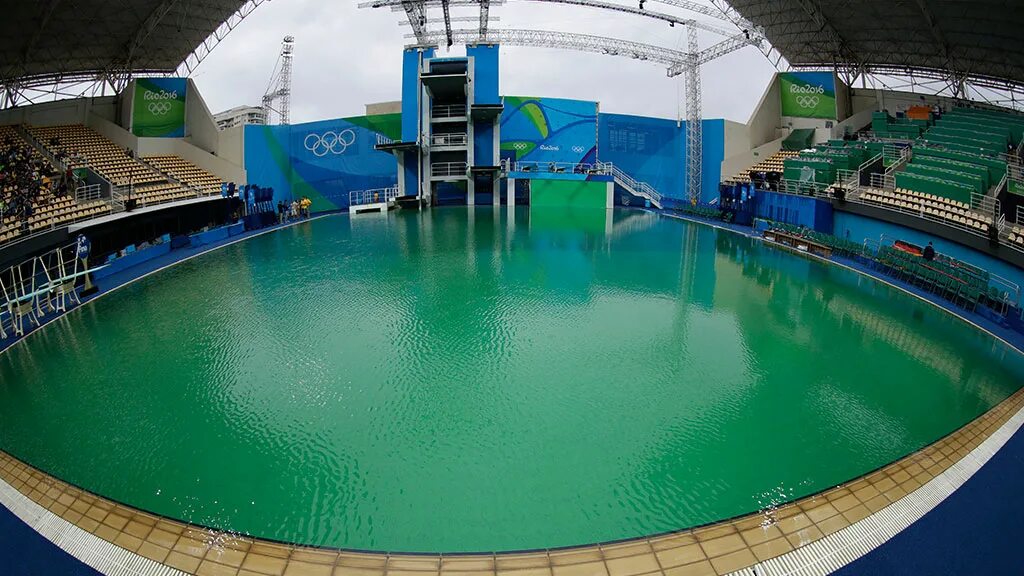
158	109
808	94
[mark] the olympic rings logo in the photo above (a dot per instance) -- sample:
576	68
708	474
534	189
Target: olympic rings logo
807	101
519	146
330	142
159	108
577	149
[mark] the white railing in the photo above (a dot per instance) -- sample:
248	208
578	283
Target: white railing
1018	218
985	204
448	169
118	196
1015	174
883	181
899	163
374	196
441	140
383	140
631	184
561	167
869	162
88	193
448	111
995	190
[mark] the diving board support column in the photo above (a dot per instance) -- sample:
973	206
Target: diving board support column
610	198
400	157
510	193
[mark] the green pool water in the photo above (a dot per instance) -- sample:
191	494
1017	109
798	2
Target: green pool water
462	380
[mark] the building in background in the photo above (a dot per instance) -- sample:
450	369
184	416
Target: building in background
240	116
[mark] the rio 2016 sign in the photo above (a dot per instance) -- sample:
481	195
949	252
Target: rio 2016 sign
808	94
158	109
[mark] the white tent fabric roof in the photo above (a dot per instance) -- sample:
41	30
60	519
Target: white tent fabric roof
54	39
973	38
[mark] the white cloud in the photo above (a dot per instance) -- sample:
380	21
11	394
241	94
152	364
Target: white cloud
346	57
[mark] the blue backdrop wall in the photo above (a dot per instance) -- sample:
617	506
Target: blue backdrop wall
548	130
328	159
653	150
324	160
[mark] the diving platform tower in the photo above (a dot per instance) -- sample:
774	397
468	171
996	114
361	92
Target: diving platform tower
451	124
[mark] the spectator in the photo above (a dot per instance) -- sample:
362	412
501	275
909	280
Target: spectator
929	252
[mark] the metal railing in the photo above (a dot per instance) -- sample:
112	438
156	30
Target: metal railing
441	140
985	204
883	181
88	193
560	167
448	111
374	196
383	140
869	162
631	184
448	169
118	195
995	190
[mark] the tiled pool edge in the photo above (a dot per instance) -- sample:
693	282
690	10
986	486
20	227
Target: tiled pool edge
837	550
89	549
805	537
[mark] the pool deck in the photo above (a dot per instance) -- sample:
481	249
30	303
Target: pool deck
864	521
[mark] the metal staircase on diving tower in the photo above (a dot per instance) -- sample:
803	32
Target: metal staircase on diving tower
632	185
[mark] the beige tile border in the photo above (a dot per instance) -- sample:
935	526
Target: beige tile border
716	549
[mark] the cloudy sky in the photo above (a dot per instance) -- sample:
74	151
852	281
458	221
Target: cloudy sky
346	57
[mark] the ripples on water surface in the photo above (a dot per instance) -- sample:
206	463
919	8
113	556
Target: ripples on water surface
459	381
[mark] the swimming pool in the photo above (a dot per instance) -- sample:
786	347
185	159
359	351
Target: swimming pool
461	380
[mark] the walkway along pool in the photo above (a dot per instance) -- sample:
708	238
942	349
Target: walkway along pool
465	381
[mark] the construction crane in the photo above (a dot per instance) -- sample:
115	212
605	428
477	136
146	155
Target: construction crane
277	100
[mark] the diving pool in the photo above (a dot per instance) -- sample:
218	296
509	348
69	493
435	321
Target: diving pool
466	380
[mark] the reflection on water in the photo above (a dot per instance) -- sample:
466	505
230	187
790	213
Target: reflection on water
457	380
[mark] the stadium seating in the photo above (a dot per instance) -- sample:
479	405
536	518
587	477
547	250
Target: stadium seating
772	164
184	171
154	180
85	147
159	193
46	215
937	207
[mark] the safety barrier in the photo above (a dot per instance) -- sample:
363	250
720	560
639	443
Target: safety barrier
632	185
448	111
442	140
560	167
374	196
88	193
448	169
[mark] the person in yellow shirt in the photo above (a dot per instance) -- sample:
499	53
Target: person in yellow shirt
305	203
